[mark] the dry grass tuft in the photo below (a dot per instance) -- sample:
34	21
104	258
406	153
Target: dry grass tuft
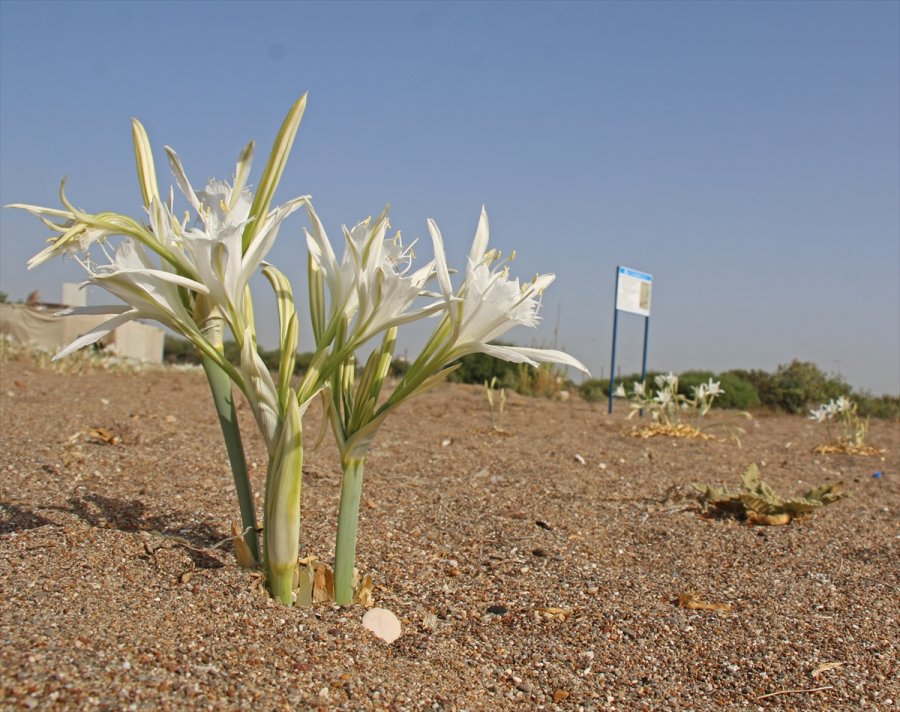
681	430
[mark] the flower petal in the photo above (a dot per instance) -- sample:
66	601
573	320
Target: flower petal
98	332
264	238
522	354
91	311
480	243
440	260
182	179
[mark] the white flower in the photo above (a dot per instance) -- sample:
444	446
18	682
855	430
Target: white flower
824	412
638	388
489	303
713	388
843	405
77	231
213	249
207	259
372	285
669	380
148	292
620	391
663	398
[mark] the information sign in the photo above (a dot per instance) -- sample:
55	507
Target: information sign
633	291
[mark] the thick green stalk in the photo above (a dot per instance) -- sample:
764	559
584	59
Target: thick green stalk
348	518
220	385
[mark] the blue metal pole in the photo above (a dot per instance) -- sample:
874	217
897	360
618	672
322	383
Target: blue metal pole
612	363
644	359
646	339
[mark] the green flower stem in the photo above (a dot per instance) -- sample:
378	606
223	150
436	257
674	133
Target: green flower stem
220	385
348	518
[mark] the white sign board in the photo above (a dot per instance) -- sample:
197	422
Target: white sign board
633	291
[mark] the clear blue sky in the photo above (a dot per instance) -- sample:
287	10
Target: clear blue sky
745	154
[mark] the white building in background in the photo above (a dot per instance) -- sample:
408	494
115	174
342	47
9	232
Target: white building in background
36	323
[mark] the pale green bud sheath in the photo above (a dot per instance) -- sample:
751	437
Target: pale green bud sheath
144	158
281	533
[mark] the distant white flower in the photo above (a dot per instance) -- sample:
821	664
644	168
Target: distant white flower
843	405
638	388
669	380
826	411
620	391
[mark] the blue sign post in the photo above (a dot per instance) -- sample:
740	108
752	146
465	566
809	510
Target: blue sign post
632	295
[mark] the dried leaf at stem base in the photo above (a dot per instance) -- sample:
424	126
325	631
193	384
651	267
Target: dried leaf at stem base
241	551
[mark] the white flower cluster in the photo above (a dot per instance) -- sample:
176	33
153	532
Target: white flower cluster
666	404
827	411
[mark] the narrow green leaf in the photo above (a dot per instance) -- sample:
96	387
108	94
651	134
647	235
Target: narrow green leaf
287	361
316	283
273	170
386	354
357	417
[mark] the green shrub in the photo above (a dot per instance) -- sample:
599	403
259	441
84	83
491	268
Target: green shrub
883	407
478	368
179	351
794	387
594	389
176	350
232	352
546	381
799	385
304	359
689	380
761	382
738	393
399	366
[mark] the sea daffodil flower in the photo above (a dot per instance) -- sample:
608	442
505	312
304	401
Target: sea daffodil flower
489	303
200	281
486	306
148	291
371	288
214	247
